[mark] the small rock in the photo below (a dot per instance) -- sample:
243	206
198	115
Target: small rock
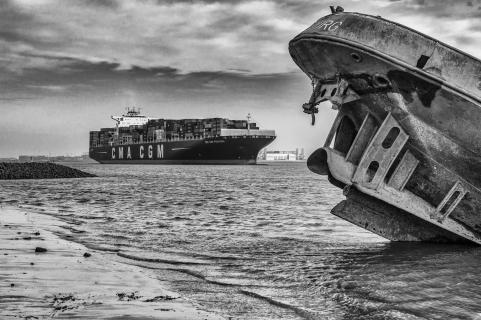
27	238
31	263
86	255
36	233
346	285
40	249
12	285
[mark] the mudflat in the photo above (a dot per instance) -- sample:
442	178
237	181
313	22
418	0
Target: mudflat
43	276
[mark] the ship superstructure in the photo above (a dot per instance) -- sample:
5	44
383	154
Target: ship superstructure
133	117
140	139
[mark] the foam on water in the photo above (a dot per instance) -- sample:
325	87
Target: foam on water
256	242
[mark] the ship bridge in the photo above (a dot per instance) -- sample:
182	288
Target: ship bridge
131	118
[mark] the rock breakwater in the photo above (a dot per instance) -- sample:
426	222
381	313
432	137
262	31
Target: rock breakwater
39	170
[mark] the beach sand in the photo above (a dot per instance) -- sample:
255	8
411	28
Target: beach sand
64	284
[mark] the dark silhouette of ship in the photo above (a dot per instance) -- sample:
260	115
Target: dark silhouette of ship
406	143
137	139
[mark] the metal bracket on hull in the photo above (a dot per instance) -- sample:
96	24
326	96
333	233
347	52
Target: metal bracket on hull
403	171
363	138
380	154
338	93
450	201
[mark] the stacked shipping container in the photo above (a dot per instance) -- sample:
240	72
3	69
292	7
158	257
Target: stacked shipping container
166	129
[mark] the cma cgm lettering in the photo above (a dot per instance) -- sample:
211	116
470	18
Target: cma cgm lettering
137	152
137	139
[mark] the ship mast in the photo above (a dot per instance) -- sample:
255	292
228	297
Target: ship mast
248	123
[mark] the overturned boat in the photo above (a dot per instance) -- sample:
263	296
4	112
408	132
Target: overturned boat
406	143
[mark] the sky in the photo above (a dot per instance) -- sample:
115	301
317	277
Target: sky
66	66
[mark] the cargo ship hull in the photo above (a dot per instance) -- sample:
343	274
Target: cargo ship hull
219	150
405	145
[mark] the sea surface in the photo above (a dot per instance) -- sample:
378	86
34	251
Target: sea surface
256	242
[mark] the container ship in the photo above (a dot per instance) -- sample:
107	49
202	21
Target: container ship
406	143
137	139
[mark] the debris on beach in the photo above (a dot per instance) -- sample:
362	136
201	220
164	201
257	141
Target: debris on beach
161	298
40	249
128	297
63	302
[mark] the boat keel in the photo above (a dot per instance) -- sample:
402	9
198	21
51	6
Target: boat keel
388	221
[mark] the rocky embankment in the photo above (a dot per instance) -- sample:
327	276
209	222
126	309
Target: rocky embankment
39	170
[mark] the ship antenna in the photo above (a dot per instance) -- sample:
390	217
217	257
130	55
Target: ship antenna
336	9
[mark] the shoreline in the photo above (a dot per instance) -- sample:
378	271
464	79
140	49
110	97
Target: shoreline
70	280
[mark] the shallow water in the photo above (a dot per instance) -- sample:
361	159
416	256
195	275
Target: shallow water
256	242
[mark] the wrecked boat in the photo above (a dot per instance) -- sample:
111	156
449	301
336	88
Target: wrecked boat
406	143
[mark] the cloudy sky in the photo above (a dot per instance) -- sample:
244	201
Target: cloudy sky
66	66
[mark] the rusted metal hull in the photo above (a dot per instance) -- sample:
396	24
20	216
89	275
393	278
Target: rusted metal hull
408	126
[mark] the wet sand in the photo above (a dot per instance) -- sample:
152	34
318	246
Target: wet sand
65	282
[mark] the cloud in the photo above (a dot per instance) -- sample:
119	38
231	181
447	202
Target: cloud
194	36
57	88
190	36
